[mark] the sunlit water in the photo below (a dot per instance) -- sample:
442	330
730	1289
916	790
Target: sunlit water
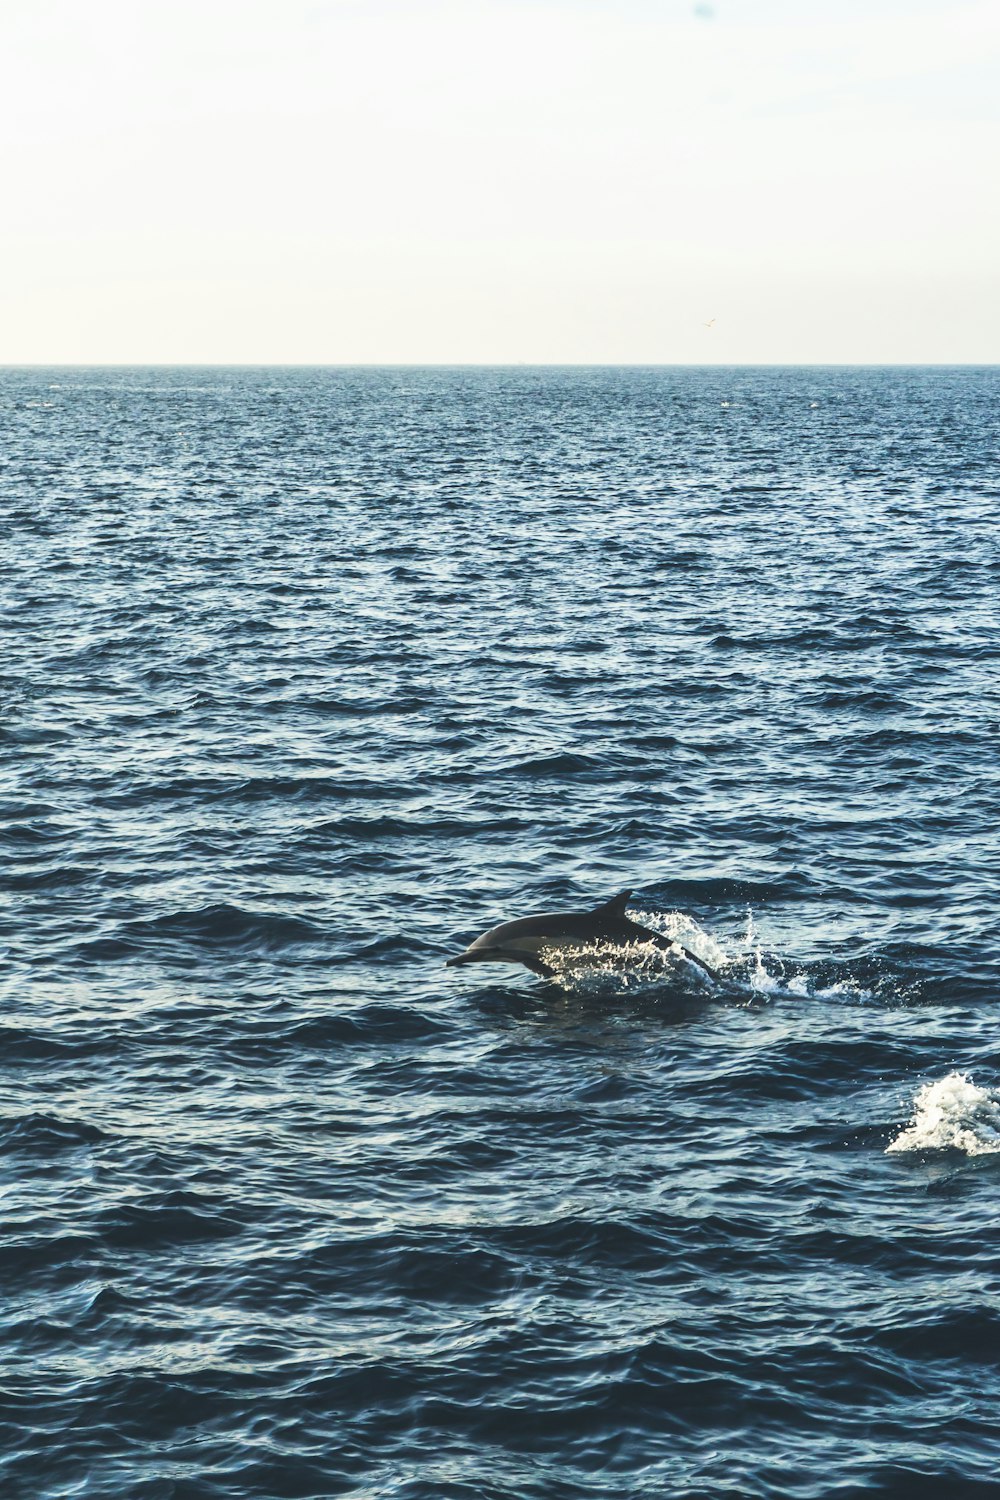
308	678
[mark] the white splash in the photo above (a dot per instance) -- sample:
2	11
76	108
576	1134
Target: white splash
593	966
760	981
952	1114
685	930
763	980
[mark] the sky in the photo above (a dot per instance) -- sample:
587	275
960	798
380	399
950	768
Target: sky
498	181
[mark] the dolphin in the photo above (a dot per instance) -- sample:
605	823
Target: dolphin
524	940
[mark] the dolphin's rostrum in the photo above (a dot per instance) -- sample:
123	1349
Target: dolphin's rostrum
523	941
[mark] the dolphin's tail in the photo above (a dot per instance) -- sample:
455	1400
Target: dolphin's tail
698	962
668	944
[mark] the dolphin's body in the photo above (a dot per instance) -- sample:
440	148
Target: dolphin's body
523	941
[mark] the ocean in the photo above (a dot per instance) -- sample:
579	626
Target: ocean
309	676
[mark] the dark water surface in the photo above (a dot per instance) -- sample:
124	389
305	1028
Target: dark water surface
308	677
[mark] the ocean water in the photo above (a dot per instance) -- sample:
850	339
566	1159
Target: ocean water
308	677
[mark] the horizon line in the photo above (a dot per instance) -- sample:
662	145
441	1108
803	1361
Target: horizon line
410	364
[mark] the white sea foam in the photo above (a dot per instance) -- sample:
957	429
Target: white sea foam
953	1114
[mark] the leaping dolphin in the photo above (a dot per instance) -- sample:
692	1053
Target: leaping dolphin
522	941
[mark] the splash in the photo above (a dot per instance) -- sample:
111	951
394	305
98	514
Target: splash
763	982
767	975
685	930
748	969
599	967
847	989
758	977
953	1114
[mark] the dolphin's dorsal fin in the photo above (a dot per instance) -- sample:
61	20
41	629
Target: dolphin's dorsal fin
616	906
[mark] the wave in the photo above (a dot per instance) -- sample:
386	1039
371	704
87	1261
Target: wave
557	765
725	890
386	826
821	638
179	1217
23	1046
254	789
34	831
45	1133
213	926
953	1114
365	1024
356	708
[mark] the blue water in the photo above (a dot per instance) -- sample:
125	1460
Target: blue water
310	676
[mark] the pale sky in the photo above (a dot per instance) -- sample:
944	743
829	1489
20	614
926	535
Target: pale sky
341	181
